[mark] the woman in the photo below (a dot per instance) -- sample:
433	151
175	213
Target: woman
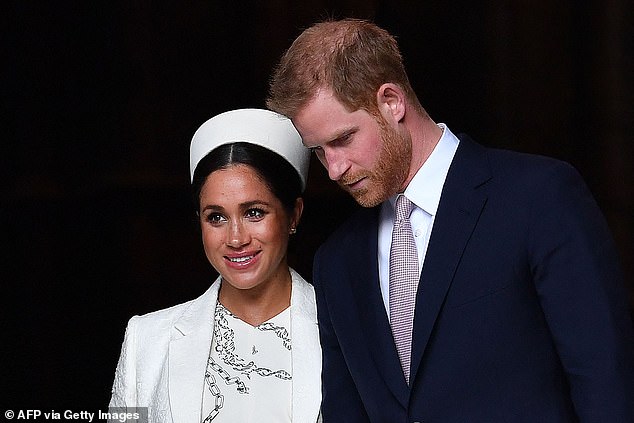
247	350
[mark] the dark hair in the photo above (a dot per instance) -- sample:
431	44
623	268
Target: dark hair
278	174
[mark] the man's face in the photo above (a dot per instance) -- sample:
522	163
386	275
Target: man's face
366	156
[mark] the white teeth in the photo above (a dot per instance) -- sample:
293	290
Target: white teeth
240	259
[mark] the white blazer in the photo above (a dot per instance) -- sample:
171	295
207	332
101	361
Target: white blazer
164	357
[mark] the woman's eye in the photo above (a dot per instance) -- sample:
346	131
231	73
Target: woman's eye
255	214
215	218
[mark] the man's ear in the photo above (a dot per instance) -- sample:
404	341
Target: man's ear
390	99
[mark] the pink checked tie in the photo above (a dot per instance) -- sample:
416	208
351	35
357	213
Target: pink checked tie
403	281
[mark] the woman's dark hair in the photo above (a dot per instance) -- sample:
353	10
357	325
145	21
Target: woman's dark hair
278	174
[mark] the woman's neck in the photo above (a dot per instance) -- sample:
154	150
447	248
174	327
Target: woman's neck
259	304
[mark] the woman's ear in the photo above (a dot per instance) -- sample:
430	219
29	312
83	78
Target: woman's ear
390	99
297	214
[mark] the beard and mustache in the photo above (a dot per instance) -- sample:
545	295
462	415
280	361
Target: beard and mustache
390	171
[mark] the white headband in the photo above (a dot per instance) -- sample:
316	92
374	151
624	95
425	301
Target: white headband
256	126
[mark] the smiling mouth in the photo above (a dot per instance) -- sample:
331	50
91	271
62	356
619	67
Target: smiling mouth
240	259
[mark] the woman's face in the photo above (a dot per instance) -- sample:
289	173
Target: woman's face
245	228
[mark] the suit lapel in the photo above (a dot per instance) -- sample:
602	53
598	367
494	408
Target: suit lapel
374	321
461	204
188	354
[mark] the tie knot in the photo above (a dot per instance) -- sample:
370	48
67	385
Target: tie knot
403	207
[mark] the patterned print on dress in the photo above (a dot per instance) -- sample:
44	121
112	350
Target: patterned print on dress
224	345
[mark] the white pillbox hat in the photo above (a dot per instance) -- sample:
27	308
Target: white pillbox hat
256	126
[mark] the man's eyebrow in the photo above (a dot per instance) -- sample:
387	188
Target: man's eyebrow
332	138
342	133
345	132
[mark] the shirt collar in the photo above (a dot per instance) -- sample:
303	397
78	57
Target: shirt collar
425	188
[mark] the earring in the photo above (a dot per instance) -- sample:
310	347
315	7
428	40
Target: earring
293	230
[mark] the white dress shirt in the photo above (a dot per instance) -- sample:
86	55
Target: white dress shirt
424	191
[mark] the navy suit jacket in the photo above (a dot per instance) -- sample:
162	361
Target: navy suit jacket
521	313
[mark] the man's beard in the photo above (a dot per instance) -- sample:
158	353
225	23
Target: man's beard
390	171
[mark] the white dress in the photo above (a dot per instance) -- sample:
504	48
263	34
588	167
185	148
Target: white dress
165	354
248	375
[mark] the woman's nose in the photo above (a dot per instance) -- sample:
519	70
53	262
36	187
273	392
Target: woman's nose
237	235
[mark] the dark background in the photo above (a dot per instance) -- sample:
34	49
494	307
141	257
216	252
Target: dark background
100	100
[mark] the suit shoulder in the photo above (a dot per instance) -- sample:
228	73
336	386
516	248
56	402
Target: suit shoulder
157	324
166	313
543	184
506	167
503	158
164	318
529	169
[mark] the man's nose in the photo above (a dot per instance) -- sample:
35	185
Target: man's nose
336	164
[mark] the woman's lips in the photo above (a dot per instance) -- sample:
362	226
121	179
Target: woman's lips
241	261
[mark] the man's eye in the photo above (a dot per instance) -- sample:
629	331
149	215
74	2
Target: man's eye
343	140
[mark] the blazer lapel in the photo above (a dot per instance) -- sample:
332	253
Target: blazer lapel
306	352
459	210
188	354
374	322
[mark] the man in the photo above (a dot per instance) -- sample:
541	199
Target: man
516	312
